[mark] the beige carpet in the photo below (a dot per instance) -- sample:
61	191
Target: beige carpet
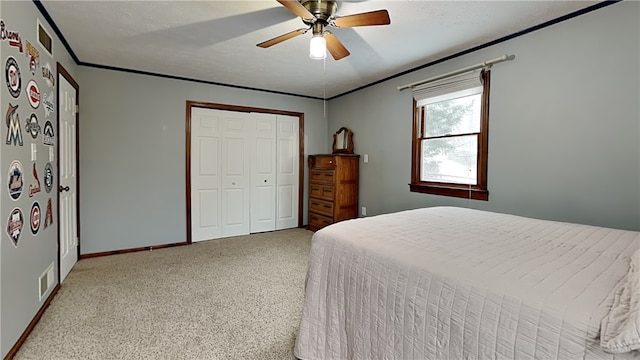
233	298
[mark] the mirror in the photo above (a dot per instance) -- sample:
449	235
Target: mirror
343	141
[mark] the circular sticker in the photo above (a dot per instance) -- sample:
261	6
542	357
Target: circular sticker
48	177
33	93
32	126
12	75
35	217
15	180
14	225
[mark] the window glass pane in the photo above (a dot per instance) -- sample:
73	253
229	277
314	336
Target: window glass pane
454	116
452	160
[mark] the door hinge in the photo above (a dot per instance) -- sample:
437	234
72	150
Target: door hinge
77	109
77	241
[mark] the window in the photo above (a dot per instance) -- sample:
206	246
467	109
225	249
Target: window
450	136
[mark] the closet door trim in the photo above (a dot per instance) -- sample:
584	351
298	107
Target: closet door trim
237	108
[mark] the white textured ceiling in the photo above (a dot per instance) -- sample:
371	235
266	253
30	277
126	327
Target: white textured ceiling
215	41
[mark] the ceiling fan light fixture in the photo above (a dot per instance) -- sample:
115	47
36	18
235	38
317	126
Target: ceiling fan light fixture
318	47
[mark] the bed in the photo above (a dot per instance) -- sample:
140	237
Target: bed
456	283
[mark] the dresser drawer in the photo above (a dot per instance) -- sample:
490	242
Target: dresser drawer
325	176
318	221
321	191
321	206
326	162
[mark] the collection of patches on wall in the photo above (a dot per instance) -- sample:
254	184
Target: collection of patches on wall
29	144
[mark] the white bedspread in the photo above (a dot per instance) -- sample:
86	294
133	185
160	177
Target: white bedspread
454	283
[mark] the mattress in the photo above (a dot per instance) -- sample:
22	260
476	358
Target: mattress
455	283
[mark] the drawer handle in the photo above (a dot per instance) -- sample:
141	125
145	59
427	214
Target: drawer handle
326	206
328	175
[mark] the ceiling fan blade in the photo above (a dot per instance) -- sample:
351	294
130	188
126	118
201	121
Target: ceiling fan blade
378	17
335	47
296	8
281	38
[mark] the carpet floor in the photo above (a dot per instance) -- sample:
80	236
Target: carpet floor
232	298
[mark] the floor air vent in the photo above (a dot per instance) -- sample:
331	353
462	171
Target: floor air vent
46	280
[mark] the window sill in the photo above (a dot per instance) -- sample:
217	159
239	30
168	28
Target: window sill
460	192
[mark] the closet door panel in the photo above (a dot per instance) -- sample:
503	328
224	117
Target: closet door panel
205	174
236	173
287	172
263	176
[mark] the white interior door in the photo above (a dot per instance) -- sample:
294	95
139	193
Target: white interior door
263	175
67	176
236	173
206	138
287	172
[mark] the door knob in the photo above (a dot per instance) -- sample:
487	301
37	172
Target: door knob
63	188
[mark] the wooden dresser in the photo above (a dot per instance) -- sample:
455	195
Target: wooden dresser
333	189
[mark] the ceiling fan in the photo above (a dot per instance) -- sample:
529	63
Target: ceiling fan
320	14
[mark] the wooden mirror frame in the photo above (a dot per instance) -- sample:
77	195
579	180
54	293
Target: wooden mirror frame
347	141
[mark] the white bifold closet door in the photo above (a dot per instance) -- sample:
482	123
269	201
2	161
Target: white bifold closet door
244	173
263	175
287	182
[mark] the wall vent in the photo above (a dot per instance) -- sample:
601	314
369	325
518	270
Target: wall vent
44	38
45	281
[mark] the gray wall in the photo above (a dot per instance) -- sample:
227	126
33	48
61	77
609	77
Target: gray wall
564	128
21	266
132	153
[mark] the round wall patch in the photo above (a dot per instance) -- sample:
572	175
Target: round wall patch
33	93
12	74
15	180
48	177
35	217
32	126
14	225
